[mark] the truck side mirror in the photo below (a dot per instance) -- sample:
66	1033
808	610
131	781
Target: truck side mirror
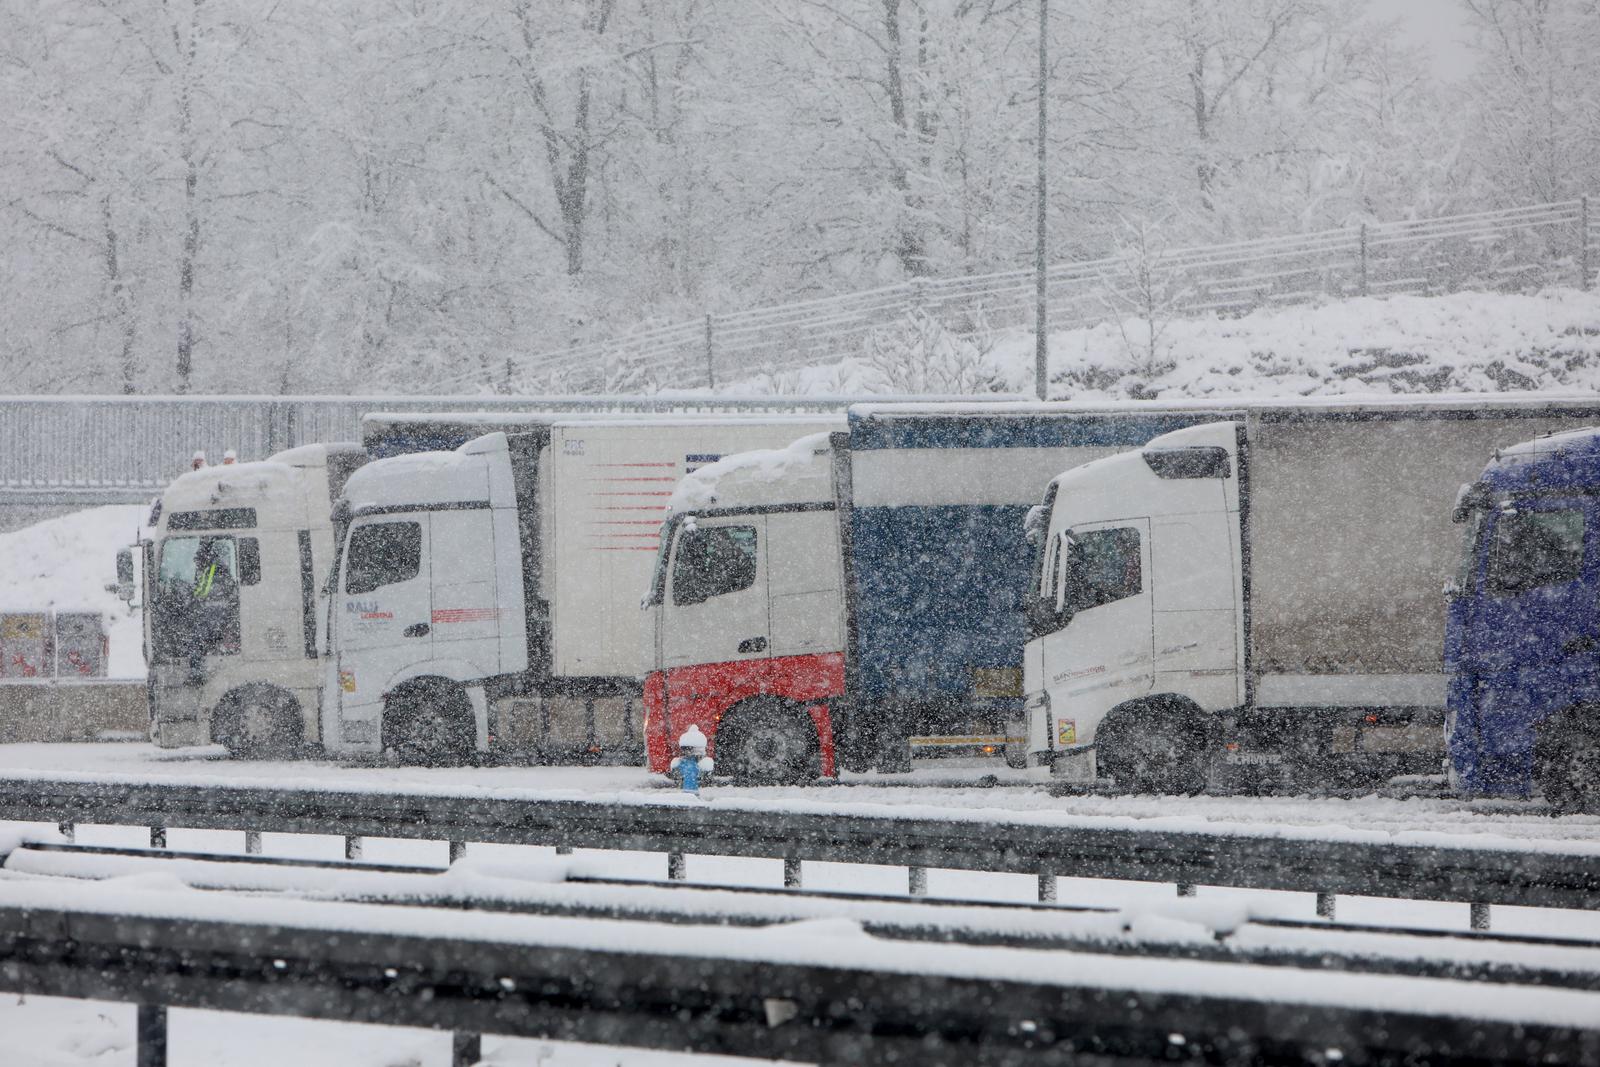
1034	526
124	589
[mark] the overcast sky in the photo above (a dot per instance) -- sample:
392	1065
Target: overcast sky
1437	24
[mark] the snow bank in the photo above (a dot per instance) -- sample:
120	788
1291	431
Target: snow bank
65	564
1462	342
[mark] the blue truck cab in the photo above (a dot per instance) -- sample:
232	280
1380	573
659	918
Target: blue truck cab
1522	636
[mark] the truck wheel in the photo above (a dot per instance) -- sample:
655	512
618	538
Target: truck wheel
259	724
429	726
1150	755
768	743
1569	776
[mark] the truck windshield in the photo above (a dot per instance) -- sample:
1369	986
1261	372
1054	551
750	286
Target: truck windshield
196	599
1533	549
658	577
1038	601
1467	566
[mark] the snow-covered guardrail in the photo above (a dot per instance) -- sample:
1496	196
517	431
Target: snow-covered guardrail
794	993
1475	869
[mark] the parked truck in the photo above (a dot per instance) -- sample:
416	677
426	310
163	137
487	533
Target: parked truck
233	574
487	600
852	600
231	571
1522	641
1260	597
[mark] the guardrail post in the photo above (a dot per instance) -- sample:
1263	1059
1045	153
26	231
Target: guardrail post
466	1049
1480	916
158	837
457	850
917	881
67	830
252	842
1186	889
791	872
1365	290
150	1036
1047	889
677	869
352	848
1325	906
711	355
1583	243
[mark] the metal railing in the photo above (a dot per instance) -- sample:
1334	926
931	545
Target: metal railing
1480	875
102	450
1520	248
665	993
677	990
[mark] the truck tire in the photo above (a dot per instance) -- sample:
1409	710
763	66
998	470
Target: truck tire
1152	754
258	723
429	725
769	743
1569	773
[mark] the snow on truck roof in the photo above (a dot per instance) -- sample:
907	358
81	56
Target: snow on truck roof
1347	402
236	483
1547	445
424	478
799	473
1199	436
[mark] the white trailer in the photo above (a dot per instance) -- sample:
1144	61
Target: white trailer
489	599
232	575
1258	596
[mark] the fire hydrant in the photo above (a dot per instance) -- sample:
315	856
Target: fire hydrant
691	761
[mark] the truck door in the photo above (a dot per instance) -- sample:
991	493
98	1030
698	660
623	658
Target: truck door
383	603
1536	643
1104	655
464	617
716	596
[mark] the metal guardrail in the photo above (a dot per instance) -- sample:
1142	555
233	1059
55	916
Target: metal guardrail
1048	848
1310	945
1521	248
645	997
656	997
109	449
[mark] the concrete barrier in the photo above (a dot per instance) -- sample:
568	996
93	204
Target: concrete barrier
67	710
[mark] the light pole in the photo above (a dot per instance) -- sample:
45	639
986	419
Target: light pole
1041	344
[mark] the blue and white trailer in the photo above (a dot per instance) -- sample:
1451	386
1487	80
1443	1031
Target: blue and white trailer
932	499
1522	641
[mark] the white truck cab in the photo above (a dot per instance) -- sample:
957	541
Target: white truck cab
231	578
412	626
1135	631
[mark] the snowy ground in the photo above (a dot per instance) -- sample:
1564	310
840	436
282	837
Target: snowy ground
1460	342
64	564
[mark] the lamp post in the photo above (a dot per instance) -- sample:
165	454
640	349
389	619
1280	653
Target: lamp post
1041	344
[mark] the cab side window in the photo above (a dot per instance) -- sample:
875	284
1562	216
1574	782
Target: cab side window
1532	549
383	553
1103	566
713	561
